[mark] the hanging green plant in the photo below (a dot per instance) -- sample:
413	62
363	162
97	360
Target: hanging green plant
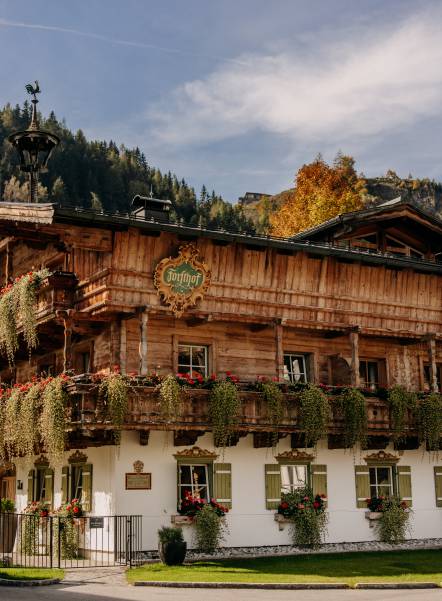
307	514
12	426
52	420
393	524
351	405
400	401
30	411
170	398
209	529
114	389
314	415
429	418
224	408
17	310
276	406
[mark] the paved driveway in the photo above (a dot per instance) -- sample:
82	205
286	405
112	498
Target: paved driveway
109	585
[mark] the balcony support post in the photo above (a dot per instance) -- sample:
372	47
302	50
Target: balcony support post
8	266
123	346
143	347
67	348
431	345
354	367
279	351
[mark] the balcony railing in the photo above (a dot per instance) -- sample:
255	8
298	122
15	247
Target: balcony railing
56	293
88	411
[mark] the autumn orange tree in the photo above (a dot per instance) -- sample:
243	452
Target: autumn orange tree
321	192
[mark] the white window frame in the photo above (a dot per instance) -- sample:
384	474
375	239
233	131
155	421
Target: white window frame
377	485
189	368
292	487
289	374
191	485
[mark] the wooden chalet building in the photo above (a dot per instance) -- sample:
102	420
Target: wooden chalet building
356	301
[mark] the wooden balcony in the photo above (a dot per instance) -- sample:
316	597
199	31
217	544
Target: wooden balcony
56	293
88	412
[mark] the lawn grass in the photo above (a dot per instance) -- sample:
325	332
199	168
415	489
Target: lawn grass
30	573
350	568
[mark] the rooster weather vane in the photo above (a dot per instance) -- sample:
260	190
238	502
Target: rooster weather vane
30	89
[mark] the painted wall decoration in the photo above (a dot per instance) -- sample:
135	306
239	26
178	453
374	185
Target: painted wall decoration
183	280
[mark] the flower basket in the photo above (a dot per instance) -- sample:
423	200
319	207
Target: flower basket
181	520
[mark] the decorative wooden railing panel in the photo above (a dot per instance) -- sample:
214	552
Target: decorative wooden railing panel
56	293
88	411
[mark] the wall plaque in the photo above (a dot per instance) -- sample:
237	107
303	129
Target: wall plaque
183	280
138	481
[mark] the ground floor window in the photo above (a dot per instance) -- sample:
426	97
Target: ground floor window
193	479
293	477
76	483
295	367
381	481
193	360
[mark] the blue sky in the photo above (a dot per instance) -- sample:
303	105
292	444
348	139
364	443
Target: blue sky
238	94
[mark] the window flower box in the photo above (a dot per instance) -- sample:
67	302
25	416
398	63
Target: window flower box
181	520
281	520
373	516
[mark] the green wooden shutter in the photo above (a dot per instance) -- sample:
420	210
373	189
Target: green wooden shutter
438	484
65	484
273	485
86	498
49	488
222	483
404	483
31	486
319	479
362	480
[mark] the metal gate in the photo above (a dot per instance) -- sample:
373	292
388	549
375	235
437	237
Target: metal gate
29	540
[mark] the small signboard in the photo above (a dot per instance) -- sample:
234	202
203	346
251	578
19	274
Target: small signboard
95	522
138	481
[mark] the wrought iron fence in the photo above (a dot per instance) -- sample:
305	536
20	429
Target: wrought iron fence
34	541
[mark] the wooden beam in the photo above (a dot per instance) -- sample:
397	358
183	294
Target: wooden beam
123	346
354	367
67	348
143	348
431	345
279	354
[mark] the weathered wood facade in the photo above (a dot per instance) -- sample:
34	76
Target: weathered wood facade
345	308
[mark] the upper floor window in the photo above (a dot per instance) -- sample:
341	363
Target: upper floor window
427	375
193	359
295	367
370	373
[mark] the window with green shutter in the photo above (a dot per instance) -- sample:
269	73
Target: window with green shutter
272	485
76	483
362	482
404	484
438	485
222	483
319	479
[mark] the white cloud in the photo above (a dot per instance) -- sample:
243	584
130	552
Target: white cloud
360	84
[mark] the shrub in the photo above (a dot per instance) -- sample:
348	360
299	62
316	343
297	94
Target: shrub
170	535
209	529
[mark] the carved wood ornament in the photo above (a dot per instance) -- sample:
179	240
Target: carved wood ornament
183	280
196	453
381	457
295	455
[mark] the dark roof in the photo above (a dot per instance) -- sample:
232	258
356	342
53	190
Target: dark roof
385	208
11	214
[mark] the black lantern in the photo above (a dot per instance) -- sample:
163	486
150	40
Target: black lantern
33	145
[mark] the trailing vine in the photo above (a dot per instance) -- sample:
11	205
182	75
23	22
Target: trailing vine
12	428
17	309
430	421
314	414
52	421
400	401
114	389
170	398
30	411
351	405
224	407
307	514
393	524
209	529
276	405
